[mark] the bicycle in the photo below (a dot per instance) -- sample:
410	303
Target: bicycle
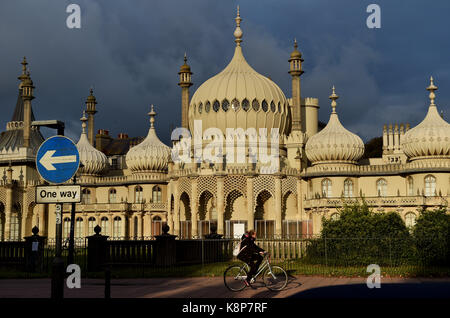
274	277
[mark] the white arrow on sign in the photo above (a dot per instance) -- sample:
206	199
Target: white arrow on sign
48	160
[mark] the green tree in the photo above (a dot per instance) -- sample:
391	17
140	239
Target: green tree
432	237
373	148
361	236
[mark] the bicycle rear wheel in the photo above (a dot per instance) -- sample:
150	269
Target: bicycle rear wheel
276	279
234	277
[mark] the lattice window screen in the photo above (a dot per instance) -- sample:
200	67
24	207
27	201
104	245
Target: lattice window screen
184	185
235	182
289	184
264	182
206	183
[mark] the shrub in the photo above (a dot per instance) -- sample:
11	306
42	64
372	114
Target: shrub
432	237
361	236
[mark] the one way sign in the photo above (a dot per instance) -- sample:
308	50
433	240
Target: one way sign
57	159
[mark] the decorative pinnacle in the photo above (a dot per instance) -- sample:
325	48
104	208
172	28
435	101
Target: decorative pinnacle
152	115
185	58
23	76
333	98
431	89
238	32
295	43
83	122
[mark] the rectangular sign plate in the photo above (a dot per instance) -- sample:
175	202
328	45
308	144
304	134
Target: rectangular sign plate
58	194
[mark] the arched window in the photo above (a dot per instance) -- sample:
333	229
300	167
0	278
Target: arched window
200	108
410	220
326	188
382	187
156	194
91	225
245	104
334	216
264	106
255	105
138	194
410	186
348	188
213	213
216	106
86	196
15	226
2	220
104	223
430	186
207	106
79	227
112	196
272	107
117	226
226	105
66	227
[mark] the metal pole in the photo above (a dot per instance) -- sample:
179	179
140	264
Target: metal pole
70	259
58	263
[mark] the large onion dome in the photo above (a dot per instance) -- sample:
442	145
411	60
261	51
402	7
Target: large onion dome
334	143
430	138
239	97
151	155
93	161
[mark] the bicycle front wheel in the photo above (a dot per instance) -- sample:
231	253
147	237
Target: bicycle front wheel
275	278
234	277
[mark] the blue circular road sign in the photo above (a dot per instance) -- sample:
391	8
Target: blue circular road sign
57	159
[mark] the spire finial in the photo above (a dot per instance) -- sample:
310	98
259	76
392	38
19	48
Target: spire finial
185	57
295	43
152	115
333	98
24	75
83	122
24	65
238	32
431	89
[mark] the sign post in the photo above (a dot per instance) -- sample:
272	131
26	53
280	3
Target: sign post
57	161
58	263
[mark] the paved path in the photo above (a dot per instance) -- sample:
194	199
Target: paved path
197	287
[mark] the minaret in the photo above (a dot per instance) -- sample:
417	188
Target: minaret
27	95
185	82
90	110
295	69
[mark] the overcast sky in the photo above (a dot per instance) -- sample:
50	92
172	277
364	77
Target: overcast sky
130	52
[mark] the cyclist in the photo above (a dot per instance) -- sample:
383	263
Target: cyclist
251	254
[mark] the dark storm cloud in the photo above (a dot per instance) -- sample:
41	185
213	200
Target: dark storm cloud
131	51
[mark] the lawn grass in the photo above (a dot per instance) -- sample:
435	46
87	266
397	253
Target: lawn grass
295	267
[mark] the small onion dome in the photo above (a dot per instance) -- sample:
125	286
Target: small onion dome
151	155
334	143
430	138
185	68
296	53
91	97
92	161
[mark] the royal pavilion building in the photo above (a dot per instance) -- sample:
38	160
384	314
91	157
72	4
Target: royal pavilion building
131	186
